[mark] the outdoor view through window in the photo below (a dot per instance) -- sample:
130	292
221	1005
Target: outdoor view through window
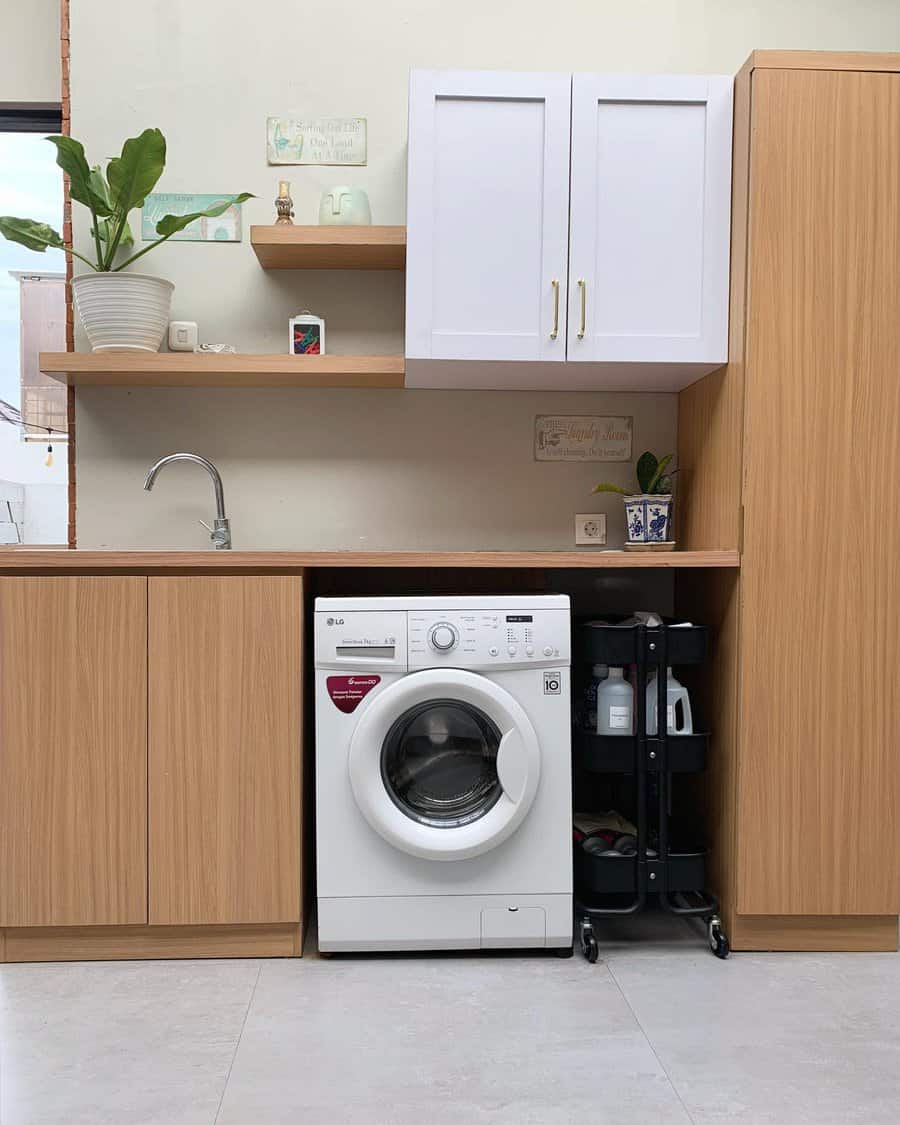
33	489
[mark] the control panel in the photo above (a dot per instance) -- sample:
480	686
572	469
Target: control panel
486	638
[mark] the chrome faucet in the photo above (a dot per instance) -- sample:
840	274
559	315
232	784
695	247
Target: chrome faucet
220	532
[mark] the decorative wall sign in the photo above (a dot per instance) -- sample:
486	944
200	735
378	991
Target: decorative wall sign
225	228
581	437
313	140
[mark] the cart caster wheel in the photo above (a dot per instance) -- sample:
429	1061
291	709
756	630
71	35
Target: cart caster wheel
718	941
589	946
564	951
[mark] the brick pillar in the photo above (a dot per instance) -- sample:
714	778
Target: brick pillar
67	238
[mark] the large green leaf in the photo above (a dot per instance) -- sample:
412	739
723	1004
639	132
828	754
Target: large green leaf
99	185
70	157
107	229
171	224
607	487
36	236
646	468
134	174
658	475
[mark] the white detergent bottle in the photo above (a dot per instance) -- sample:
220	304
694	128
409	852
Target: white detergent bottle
615	704
675	693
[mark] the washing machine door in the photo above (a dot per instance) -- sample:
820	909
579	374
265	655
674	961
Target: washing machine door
444	764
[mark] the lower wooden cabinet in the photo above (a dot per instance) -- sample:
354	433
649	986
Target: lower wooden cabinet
150	757
73	751
224	749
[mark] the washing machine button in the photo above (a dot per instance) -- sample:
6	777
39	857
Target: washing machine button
529	650
494	651
512	650
548	651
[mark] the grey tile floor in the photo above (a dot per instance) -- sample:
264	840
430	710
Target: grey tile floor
657	1032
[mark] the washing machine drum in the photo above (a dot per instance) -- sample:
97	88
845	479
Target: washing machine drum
444	764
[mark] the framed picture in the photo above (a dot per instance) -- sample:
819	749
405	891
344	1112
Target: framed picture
307	334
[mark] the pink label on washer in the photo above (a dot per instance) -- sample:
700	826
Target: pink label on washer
347	692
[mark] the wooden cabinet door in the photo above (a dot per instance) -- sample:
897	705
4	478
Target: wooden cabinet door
225	694
650	214
73	751
819	773
487	218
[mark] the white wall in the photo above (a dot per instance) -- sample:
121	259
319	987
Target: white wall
334	469
29	51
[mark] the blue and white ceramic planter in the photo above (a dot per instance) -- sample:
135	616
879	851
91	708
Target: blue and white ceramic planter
648	518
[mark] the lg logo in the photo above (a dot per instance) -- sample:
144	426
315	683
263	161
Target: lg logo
334	621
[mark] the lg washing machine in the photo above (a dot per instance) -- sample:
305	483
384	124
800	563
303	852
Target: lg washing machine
443	773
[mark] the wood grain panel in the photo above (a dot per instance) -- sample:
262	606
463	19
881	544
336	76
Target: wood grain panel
225	737
17	560
820	768
190	369
869	61
713	598
298	247
711	411
117	943
852	933
73	751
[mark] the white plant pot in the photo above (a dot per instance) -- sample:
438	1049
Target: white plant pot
123	310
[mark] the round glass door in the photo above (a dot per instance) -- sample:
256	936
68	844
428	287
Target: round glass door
439	763
444	763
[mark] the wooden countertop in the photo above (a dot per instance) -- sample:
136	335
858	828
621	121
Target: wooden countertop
17	559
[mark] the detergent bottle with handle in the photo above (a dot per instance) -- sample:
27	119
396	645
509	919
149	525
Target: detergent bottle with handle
675	693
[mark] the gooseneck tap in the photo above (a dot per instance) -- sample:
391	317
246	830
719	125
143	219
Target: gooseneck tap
220	532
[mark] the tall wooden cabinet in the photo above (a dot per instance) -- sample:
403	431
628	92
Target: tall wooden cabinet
806	794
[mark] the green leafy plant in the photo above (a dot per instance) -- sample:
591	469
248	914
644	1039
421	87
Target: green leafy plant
129	179
654	477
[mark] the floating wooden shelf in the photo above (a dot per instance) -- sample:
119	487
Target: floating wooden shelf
190	369
329	248
23	558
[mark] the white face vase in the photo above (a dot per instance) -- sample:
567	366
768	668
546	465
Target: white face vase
344	206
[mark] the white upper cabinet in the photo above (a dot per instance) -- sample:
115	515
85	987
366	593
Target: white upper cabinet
650	208
567	233
488	221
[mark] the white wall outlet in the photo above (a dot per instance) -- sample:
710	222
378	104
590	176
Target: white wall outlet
590	530
182	336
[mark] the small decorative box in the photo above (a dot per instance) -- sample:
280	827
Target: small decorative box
307	334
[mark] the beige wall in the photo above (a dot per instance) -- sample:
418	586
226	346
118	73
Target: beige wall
336	469
29	51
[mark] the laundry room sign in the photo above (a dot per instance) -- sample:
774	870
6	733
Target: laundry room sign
582	437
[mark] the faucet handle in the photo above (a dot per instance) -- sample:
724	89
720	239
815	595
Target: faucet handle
220	533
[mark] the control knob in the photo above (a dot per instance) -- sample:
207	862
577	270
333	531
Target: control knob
443	637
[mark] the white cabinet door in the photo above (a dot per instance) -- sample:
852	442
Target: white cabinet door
650	209
488	217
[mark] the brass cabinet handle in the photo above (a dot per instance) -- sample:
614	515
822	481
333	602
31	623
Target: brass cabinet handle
582	285
555	331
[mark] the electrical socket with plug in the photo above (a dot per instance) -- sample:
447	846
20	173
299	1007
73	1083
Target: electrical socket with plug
590	530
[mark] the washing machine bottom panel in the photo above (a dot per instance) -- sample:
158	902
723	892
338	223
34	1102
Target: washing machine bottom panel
349	925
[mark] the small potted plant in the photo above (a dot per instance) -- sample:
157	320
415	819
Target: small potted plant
118	310
648	514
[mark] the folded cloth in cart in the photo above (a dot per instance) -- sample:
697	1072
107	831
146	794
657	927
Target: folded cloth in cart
590	824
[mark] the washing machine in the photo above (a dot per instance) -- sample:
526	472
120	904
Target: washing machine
443	773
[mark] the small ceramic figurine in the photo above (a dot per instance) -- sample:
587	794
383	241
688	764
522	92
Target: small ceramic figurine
344	206
284	205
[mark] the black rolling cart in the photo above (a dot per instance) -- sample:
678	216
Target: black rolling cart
670	861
